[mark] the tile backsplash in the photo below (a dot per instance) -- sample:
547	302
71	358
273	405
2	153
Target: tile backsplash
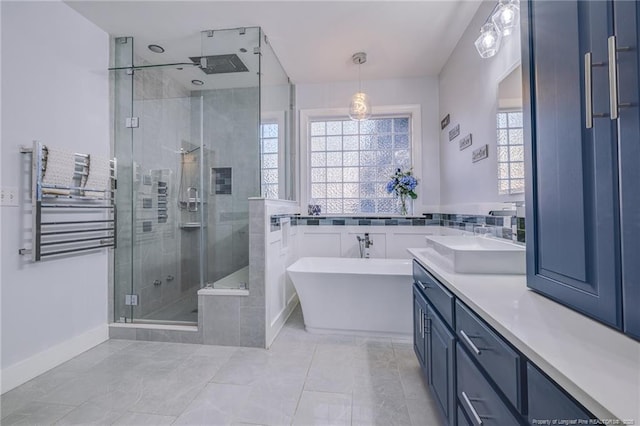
507	227
498	226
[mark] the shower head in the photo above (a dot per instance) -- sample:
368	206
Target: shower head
185	151
219	64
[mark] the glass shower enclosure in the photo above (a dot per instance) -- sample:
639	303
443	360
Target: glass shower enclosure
189	125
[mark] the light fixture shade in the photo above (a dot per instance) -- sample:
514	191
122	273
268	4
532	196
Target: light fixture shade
507	16
489	41
360	107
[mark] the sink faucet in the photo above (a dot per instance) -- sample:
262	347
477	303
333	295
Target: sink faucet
482	230
367	243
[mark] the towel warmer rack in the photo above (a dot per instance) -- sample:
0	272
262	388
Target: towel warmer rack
74	232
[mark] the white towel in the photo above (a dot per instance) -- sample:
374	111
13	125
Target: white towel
99	175
60	168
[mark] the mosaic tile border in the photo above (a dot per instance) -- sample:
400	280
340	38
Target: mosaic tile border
507	227
361	221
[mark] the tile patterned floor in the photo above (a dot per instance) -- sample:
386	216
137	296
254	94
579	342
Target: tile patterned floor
304	379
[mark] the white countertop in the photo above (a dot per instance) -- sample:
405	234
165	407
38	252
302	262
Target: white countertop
598	366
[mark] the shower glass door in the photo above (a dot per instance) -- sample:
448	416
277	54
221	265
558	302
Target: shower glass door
167	202
158	146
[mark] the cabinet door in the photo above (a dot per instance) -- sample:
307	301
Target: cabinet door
572	185
419	308
440	344
548	403
627	22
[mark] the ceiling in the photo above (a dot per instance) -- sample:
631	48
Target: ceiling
314	40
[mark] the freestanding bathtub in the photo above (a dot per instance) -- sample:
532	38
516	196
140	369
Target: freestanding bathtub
354	296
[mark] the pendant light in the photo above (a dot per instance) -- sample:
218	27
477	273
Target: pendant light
360	107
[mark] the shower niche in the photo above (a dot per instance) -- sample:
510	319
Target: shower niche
188	167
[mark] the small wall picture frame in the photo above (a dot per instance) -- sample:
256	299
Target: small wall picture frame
454	133
465	142
444	122
480	153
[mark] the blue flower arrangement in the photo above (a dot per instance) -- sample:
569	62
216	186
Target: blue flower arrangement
403	184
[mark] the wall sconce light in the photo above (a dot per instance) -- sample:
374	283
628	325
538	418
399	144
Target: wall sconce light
489	41
360	106
500	23
507	16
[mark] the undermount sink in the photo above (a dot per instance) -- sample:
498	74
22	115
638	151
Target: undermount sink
477	255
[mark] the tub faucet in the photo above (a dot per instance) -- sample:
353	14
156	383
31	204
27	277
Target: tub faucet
367	241
364	245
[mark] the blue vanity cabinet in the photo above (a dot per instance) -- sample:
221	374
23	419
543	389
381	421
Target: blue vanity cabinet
627	23
419	313
434	338
572	197
547	402
475	374
440	362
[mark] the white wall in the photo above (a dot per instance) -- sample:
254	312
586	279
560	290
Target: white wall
468	88
415	91
54	89
281	250
389	242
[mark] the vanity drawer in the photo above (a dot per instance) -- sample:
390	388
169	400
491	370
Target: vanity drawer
439	296
548	402
501	363
478	399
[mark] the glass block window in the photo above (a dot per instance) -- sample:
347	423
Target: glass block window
351	162
510	152
269	158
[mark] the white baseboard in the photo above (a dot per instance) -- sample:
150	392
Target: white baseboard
25	370
282	317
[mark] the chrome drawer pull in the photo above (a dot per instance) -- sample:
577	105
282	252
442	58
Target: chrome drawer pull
613	78
473	410
423	286
469	342
588	87
614	105
588	90
421	322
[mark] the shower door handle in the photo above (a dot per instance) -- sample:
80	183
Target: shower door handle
192	202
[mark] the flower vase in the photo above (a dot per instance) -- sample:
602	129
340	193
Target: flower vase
405	204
